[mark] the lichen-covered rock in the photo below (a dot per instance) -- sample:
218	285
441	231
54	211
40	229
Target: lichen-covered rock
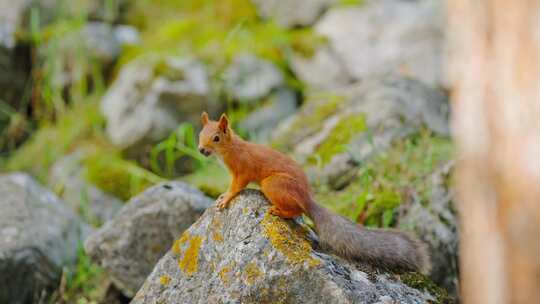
289	13
38	236
152	96
245	255
382	36
250	78
66	177
129	245
348	125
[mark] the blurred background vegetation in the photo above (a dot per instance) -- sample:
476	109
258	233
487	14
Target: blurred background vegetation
117	86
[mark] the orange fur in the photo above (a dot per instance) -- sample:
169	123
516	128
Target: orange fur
281	179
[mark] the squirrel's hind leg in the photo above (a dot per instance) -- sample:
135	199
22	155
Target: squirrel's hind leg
284	194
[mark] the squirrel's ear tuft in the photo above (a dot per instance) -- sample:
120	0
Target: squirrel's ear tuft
204	118
223	123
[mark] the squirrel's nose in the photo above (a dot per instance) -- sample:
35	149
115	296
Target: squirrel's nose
204	151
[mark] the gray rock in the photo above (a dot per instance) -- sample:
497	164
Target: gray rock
290	13
129	245
245	255
393	107
250	78
281	104
405	37
38	236
437	226
323	70
152	96
66	177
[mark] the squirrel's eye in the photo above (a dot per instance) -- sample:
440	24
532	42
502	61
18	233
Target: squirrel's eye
216	138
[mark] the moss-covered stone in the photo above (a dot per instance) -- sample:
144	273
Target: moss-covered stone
348	127
421	282
117	176
378	190
309	120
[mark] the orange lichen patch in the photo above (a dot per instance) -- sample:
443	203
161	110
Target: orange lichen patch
190	261
252	273
291	244
164	280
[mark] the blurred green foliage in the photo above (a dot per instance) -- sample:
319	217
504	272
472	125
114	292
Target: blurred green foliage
383	182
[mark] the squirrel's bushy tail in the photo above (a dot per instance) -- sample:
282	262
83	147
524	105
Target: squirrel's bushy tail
386	248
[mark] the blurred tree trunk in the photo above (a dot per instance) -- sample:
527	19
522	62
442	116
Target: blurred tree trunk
494	48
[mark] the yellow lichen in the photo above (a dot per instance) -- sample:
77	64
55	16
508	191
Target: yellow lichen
252	273
177	245
224	275
189	263
164	280
290	243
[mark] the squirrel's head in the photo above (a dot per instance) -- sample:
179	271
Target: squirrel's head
214	134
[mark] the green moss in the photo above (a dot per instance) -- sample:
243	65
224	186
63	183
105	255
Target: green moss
336	142
212	179
80	125
421	282
292	244
310	120
380	184
214	31
117	176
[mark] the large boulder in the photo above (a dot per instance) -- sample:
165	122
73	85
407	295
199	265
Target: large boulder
66	177
381	36
39	236
290	13
245	255
152	96
129	245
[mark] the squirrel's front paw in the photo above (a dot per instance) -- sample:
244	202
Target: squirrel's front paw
222	202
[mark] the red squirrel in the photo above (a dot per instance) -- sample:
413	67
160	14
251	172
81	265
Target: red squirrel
286	186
